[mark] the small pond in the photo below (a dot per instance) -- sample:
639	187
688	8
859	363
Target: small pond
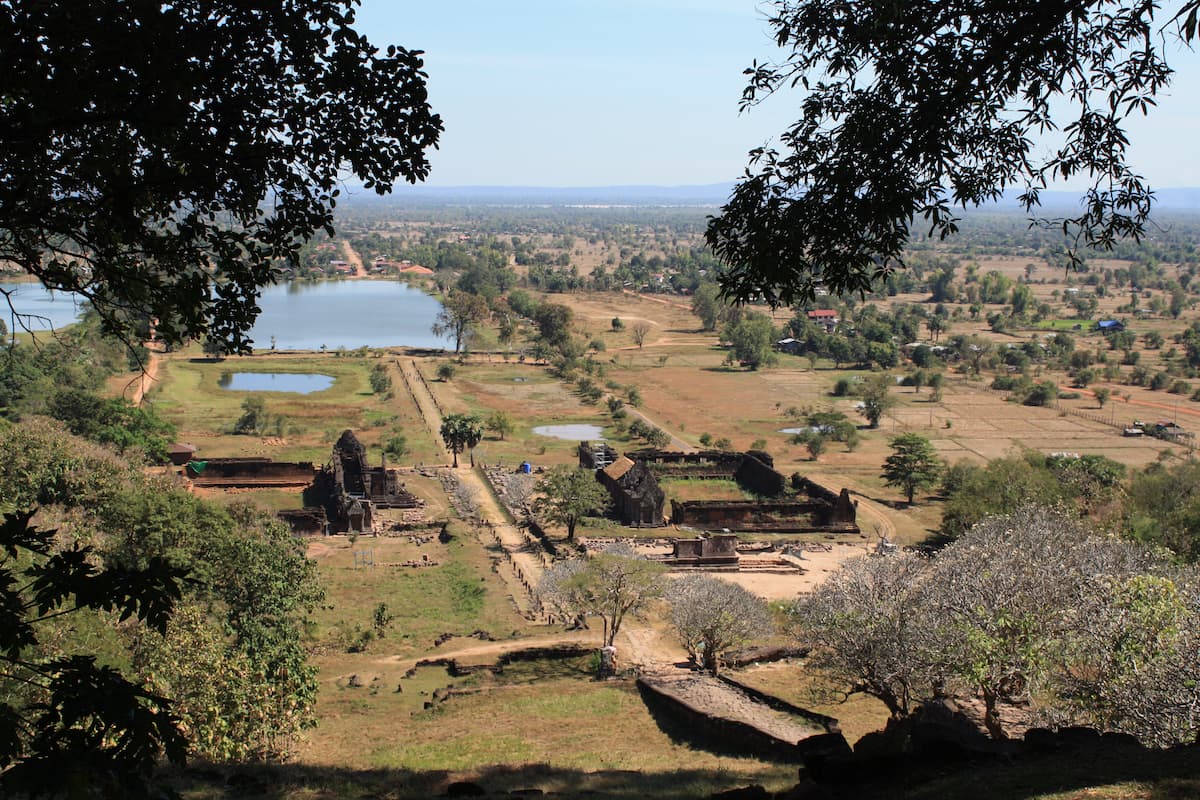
572	433
296	382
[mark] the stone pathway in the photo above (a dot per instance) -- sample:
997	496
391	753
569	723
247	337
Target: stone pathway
523	560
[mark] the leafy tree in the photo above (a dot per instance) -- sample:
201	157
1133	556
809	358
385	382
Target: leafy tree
499	423
460	313
877	399
1163	508
1132	656
255	417
252	588
381	380
66	721
165	157
1042	394
813	441
461	432
712	616
396	445
1000	487
750	340
617	324
937	382
554	323
612	585
1102	394
998	599
114	421
710	306
911	110
568	495
913	464
446	371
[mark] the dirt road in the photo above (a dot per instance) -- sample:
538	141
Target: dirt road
353	259
523	559
142	384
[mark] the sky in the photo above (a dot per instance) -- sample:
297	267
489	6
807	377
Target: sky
642	92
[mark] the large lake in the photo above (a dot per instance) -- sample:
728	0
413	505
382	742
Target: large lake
39	309
350	314
301	316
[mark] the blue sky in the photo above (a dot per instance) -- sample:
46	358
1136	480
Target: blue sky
614	92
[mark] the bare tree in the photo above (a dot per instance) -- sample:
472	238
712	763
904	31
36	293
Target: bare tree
713	616
640	331
1030	605
611	585
868	624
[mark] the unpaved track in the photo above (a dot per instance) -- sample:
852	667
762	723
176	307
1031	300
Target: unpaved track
524	564
353	259
1145	403
142	383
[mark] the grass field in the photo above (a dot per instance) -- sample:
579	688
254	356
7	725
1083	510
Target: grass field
189	394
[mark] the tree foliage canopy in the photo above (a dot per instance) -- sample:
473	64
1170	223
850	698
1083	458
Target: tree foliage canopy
162	158
1030	606
912	109
913	464
461	432
66	721
568	495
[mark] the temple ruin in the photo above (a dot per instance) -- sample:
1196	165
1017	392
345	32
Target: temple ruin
340	497
637	498
632	481
350	489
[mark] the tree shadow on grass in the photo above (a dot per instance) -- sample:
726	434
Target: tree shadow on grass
1138	772
285	781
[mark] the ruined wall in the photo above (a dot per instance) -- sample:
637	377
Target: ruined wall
249	472
780	516
304	521
718	550
596	455
757	476
735	736
637	498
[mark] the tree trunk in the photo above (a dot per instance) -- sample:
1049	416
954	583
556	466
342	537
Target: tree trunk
991	716
455	453
711	663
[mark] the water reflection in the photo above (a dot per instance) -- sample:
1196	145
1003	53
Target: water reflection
296	382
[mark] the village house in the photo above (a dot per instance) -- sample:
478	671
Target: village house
827	318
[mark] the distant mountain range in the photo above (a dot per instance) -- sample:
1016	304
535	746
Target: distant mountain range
705	195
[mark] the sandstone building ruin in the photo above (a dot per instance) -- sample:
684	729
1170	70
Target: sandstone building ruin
632	482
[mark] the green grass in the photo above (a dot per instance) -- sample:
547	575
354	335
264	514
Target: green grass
460	595
190	396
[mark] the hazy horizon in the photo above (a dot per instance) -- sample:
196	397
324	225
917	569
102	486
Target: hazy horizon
624	93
